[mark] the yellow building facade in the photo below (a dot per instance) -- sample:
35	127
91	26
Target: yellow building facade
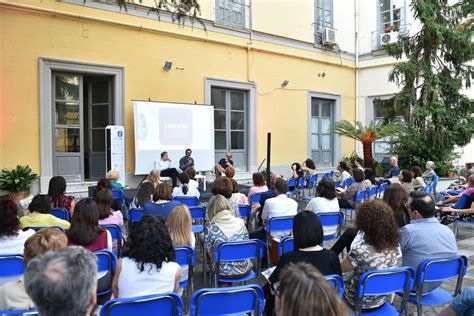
42	40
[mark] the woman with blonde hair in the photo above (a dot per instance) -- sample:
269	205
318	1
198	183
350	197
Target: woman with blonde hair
303	291
154	177
114	176
224	226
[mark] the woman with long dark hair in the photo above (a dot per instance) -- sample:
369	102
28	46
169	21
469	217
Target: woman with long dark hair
12	238
147	265
396	197
144	195
56	193
85	230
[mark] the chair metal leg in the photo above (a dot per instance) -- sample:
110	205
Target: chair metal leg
419	309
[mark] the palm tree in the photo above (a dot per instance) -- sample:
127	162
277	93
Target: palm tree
366	134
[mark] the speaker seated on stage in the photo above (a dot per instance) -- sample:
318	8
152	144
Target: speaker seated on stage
223	164
187	161
166	168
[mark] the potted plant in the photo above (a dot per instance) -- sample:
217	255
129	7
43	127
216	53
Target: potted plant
17	181
451	172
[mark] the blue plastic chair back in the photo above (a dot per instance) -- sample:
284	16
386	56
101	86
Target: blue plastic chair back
313	180
188	200
36	228
61	213
371	193
292	183
463	202
116	232
337	282
236	300
300	182
381	189
238	250
198	213
161	304
135	214
337	184
286	245
106	265
19	312
185	257
11	267
276	224
440	269
255	198
360	197
330	220
119	197
245	211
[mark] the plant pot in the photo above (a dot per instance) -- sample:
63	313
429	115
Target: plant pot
450	174
17	197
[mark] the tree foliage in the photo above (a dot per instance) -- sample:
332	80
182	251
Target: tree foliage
438	65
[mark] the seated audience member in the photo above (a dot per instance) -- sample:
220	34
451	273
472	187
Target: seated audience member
224	187
417	182
405	178
180	227
107	216
193	183
164	198
468	170
230	172
258	187
147	265
325	200
13	295
271	191
56	190
344	169
308	167
461	305
63	282
223	164
224	226
85	230
237	197
308	236
103	184
394	170
348	197
447	215
144	195
166	168
424	237
184	189
153	178
429	173
370	176
296	173
359	163
113	176
279	206
39	214
304	291
468	191
186	161
12	238
379	249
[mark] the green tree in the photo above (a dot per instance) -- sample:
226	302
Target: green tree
437	66
366	135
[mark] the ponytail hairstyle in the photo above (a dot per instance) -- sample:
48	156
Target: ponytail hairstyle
184	179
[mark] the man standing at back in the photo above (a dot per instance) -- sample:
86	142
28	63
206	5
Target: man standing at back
63	283
425	237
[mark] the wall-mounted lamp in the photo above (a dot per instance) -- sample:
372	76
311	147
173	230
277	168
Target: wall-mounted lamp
167	66
284	83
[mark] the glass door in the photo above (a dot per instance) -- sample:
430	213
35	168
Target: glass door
230	125
322	138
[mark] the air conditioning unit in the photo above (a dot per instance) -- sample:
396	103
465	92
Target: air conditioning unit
329	37
388	38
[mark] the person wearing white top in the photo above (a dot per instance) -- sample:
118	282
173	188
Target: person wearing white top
146	267
281	205
166	168
344	170
12	238
185	189
325	202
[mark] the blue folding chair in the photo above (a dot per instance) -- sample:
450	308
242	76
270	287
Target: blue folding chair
185	257
331	174
106	265
36	228
337	183
245	213
435	183
236	300
371	194
119	198
286	245
292	183
462	203
381	189
11	268
188	200
329	221
20	312
255	198
162	209
437	270
231	251
384	282
198	214
337	282
300	186
278	225
151	305
135	214
61	213
312	184
117	236
360	197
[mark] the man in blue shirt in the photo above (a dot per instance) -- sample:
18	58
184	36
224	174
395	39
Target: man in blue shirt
187	161
425	237
394	169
